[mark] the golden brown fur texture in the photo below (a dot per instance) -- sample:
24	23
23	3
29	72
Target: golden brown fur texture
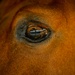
55	56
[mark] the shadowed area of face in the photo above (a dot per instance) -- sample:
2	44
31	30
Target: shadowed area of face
55	55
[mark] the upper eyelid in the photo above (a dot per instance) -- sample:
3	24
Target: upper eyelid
34	18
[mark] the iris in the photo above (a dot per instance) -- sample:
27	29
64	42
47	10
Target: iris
33	31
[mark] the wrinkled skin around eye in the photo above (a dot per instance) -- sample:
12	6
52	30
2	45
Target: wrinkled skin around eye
53	57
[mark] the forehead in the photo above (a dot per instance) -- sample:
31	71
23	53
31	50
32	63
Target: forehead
60	3
47	2
37	1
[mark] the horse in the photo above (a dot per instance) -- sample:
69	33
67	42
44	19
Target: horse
37	37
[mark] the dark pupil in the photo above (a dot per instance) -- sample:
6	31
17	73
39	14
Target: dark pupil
34	31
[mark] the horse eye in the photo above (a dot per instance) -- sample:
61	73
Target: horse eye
33	31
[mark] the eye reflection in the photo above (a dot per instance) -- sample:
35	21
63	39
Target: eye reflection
33	31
